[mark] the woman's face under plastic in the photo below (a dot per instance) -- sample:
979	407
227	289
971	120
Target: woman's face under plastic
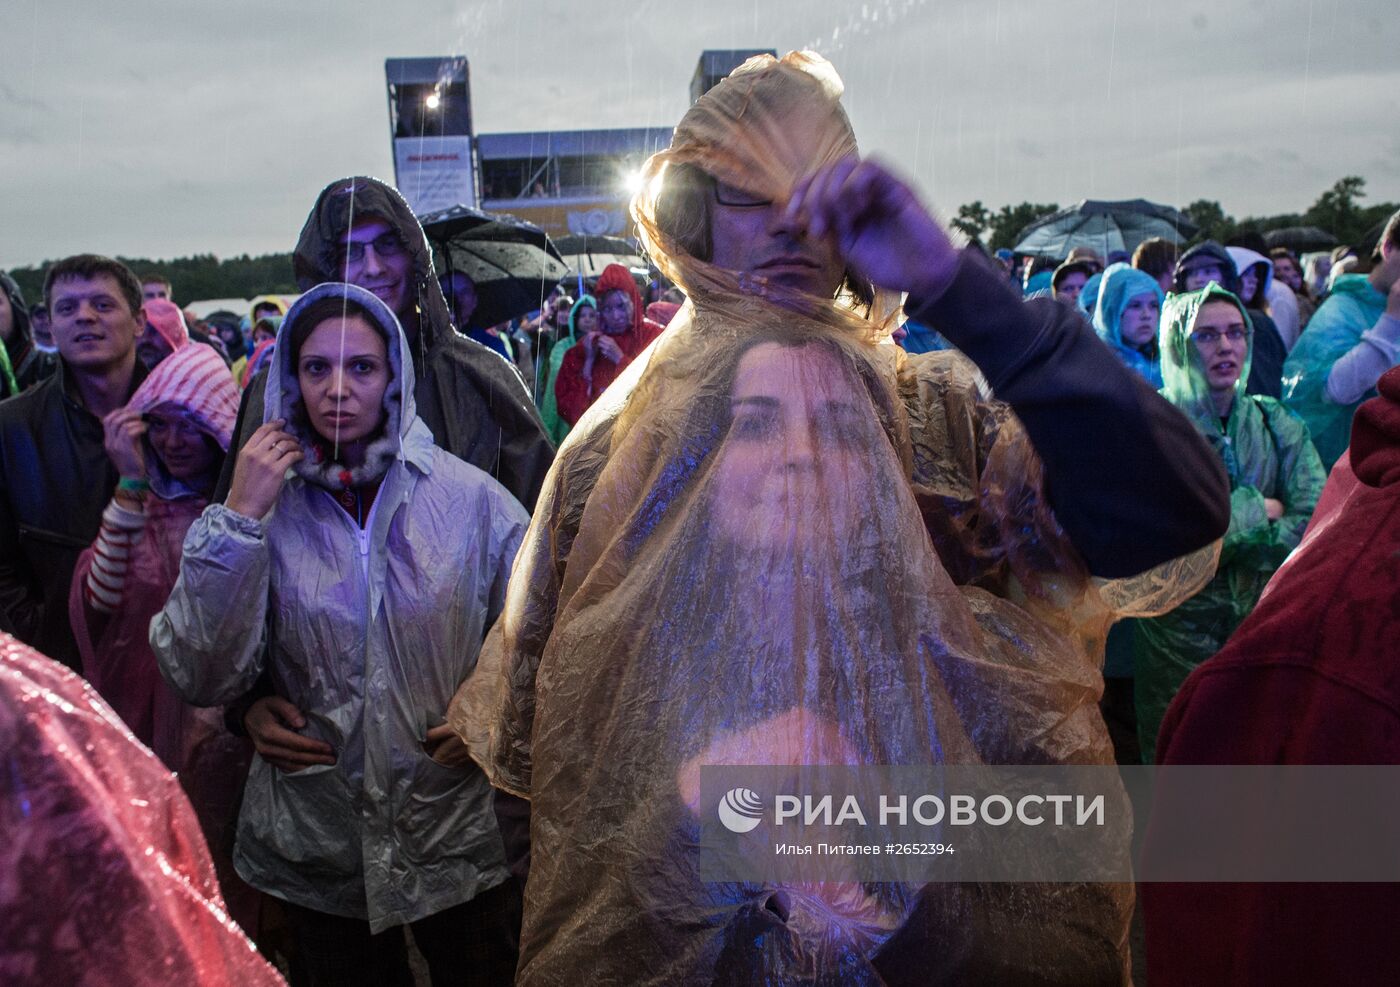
796	451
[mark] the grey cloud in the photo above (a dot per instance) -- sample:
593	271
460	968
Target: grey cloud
211	127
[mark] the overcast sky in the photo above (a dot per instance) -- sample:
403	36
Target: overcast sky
162	128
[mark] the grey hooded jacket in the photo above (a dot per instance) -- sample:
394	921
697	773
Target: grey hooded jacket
369	632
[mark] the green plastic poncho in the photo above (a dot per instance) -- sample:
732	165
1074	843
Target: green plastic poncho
555	426
1353	307
1267	454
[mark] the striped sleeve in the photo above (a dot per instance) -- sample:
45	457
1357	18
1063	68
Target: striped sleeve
121	530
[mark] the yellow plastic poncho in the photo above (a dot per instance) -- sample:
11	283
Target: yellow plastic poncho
775	540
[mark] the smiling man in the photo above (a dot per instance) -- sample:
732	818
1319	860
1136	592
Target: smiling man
55	476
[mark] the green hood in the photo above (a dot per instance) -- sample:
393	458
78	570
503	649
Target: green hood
1184	381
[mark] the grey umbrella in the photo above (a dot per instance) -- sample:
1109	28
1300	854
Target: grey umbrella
588	255
1104	227
1300	238
512	263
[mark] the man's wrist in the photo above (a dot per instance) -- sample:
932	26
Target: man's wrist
935	282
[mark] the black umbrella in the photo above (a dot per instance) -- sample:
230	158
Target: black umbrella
1104	227
512	263
1300	238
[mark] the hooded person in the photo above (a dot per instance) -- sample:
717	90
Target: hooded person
227	326
367	563
1261	289
583	319
1209	261
598	358
1309	678
1126	316
1351	340
1089	297
168	447
107	880
165	332
474	404
1275	481
775	525
21	362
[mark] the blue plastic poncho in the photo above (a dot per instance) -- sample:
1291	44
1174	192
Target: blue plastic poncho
1121	284
1334	330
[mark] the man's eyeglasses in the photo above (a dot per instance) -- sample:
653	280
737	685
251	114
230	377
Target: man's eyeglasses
1209	337
385	245
730	195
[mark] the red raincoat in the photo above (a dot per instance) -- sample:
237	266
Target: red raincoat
572	392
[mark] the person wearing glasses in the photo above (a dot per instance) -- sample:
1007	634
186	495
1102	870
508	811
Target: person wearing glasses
1275	475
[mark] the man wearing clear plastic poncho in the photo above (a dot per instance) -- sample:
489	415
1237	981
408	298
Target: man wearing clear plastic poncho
773	526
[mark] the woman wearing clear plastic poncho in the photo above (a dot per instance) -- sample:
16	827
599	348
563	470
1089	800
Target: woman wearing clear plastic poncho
772	524
1276	478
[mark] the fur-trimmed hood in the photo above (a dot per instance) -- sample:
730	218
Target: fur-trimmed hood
403	435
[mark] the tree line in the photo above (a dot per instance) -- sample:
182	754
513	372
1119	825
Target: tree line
1338	211
194	278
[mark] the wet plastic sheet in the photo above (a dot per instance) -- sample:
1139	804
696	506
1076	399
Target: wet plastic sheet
776	540
104	876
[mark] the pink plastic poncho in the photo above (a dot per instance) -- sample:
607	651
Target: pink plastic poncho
104	878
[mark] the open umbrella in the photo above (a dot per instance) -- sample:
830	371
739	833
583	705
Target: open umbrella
588	255
1300	239
512	263
1103	227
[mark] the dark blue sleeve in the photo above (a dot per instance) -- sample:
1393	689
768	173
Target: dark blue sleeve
1130	480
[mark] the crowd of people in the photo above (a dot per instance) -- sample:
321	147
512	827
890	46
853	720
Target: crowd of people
434	621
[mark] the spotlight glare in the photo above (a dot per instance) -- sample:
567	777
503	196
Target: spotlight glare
433	101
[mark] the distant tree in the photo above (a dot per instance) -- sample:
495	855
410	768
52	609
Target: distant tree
1212	219
972	219
1009	221
195	278
1339	212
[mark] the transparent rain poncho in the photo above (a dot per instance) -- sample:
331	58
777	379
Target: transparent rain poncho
776	524
104	876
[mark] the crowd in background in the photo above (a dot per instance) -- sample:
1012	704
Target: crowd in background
140	443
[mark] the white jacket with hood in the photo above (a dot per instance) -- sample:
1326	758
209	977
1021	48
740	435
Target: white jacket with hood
369	633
